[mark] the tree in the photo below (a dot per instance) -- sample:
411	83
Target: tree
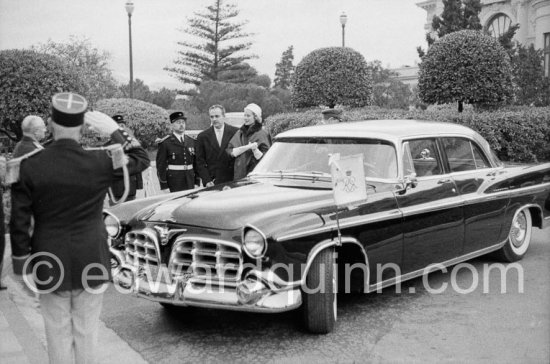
532	88
145	120
164	98
331	76
388	92
141	91
91	65
241	73
221	45
28	80
465	66
457	15
284	70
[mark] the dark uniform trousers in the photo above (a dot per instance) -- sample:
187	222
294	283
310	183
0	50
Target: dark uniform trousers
176	163
63	187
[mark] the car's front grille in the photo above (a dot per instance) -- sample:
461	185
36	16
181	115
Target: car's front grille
206	258
142	247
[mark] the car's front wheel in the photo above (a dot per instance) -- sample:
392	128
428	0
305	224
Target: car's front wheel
320	294
519	237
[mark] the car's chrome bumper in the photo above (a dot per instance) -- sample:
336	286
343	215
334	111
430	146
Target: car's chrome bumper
248	295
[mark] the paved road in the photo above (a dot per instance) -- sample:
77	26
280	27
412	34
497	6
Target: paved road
413	326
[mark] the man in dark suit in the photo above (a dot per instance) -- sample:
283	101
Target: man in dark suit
214	165
62	188
176	157
34	130
135	180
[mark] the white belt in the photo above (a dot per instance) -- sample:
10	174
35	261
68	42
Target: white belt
180	168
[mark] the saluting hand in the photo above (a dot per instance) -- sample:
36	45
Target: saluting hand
100	122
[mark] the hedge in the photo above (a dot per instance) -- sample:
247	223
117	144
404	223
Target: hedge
147	121
517	134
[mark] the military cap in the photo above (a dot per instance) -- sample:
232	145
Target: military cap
68	109
332	113
119	119
177	116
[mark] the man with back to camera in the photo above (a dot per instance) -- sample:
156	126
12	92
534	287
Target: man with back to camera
176	157
34	130
214	165
63	188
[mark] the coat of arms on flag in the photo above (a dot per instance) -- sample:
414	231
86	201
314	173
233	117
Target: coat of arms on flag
348	179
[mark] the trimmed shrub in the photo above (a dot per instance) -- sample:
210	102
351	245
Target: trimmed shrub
332	76
518	134
147	121
466	66
28	80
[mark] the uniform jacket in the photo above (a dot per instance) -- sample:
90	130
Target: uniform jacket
246	162
213	163
25	146
172	152
63	188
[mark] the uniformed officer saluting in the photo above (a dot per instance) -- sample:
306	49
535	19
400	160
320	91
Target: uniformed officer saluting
63	188
176	157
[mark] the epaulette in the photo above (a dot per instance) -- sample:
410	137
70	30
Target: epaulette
13	166
160	140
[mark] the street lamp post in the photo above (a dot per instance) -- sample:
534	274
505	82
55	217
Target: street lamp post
343	21
130	9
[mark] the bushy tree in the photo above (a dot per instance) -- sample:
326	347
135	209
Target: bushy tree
465	67
140	91
284	70
387	91
163	97
233	97
531	87
28	80
457	15
221	45
146	120
331	76
90	63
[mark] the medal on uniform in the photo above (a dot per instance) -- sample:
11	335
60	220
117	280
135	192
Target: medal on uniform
173	155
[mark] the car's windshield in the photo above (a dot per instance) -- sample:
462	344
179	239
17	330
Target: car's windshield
310	155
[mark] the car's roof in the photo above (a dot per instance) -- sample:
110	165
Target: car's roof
381	129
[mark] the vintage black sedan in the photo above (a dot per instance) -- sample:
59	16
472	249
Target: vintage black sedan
276	241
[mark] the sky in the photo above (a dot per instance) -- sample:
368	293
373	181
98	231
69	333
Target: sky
384	30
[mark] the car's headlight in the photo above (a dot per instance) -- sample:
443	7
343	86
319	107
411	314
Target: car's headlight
254	243
112	224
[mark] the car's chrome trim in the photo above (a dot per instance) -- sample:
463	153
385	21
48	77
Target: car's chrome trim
195	266
409	211
151	234
106	212
243	230
330	243
378	216
436	266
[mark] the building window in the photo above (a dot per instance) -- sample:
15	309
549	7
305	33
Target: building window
499	25
546	54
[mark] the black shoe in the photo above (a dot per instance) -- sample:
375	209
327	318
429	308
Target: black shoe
3	287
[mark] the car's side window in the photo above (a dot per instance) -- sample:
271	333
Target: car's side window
425	157
463	155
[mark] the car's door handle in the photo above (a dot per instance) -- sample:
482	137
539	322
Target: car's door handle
444	180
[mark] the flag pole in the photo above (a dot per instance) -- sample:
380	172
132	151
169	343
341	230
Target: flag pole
338	227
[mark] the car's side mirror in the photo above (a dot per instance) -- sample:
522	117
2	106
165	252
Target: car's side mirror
409	181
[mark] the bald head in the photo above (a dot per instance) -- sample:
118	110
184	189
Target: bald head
33	126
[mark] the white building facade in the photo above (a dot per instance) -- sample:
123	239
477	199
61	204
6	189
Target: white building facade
496	16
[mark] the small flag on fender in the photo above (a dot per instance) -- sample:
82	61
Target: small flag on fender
348	179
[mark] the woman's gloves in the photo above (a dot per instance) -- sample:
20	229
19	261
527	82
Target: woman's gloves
240	150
